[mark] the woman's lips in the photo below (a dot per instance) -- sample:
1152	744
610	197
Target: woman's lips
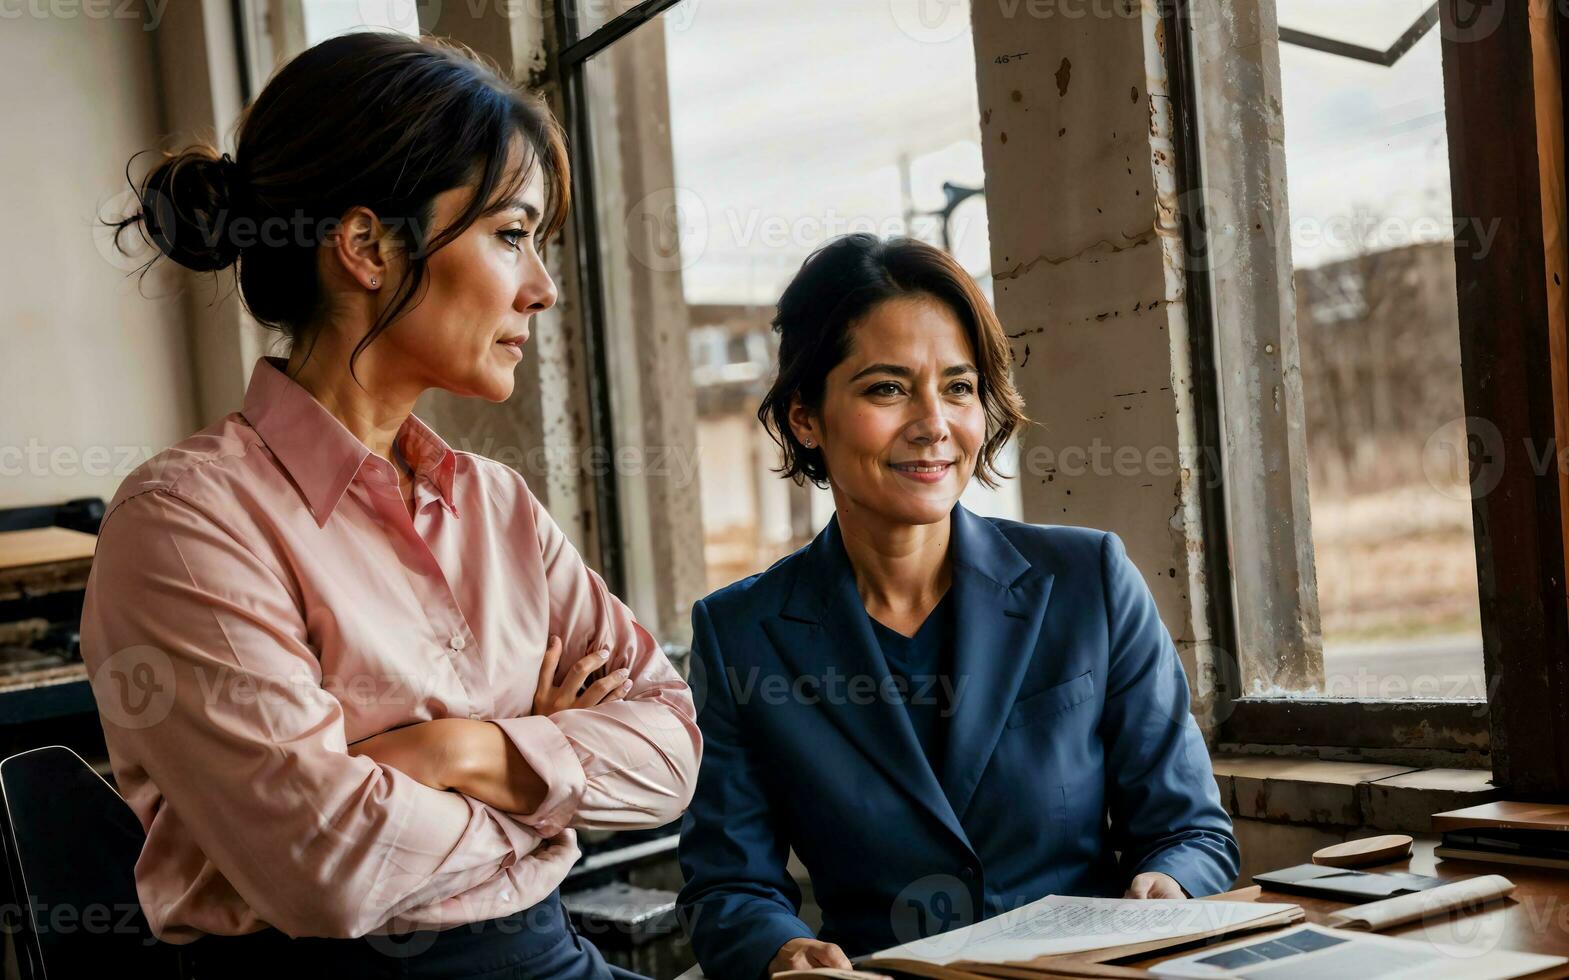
923	472
514	347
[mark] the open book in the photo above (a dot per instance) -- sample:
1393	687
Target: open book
1061	936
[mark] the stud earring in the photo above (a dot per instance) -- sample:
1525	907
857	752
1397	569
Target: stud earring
810	444
373	281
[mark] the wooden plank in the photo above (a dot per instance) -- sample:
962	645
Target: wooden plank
42	561
1507	347
1548	75
1454	726
44	545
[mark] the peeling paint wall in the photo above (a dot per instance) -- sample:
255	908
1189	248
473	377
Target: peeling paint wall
1086	240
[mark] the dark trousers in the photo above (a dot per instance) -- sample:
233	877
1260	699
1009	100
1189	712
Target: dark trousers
538	943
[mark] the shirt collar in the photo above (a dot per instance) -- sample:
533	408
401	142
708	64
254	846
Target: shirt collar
320	454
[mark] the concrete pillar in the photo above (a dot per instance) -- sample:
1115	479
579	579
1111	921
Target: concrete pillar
1087	248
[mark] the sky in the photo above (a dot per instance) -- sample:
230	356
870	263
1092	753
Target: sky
789	122
789	119
793	121
1362	139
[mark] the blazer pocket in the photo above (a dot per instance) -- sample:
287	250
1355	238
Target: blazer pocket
1053	700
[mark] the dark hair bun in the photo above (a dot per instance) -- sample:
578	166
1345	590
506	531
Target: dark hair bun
189	204
371	119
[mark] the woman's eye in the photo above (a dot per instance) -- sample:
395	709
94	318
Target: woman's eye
963	388
883	388
512	236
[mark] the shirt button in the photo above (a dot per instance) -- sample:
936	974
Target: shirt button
456	642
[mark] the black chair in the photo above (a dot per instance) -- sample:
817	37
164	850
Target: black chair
71	845
81	514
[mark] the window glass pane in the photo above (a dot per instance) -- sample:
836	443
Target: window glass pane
278	30
594	14
329	18
1372	237
731	138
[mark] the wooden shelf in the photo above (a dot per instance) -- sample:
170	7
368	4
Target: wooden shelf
42	560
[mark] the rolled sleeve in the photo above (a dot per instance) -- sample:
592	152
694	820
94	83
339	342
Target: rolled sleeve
555	761
212	703
636	758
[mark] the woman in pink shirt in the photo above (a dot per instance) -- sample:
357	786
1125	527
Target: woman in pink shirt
357	685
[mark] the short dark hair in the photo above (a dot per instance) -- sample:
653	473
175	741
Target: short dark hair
370	118
838	285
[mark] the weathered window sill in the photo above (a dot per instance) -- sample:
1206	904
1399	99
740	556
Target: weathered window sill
1402	732
1345	794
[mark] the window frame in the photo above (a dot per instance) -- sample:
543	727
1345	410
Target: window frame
1513	381
1513	378
1515	372
622	412
572	54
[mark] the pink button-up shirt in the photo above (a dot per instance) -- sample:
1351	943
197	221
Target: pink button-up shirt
261	598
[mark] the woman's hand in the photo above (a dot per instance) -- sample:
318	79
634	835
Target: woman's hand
805	953
1154	884
431	752
550	698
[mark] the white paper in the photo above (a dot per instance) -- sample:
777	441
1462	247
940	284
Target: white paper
1465	893
1364	957
1063	924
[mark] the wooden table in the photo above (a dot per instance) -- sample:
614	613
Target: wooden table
33	563
44	559
1534	920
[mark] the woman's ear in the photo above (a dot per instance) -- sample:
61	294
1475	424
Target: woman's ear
362	248
804	425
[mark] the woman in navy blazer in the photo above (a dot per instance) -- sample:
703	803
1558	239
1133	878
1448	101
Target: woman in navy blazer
1036	741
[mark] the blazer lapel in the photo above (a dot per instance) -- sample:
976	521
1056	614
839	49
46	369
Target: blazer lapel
823	634
1001	601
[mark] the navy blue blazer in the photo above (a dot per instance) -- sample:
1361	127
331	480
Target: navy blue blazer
1069	742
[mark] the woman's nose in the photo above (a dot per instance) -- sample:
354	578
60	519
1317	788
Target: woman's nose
538	292
932	424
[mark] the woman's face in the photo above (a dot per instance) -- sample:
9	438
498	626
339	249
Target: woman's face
466	334
901	424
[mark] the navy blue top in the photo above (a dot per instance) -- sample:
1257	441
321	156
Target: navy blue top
1070	761
919	665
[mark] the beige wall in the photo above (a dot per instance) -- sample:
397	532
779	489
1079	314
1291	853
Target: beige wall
95	375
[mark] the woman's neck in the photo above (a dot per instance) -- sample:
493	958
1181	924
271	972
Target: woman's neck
373	408
900	569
